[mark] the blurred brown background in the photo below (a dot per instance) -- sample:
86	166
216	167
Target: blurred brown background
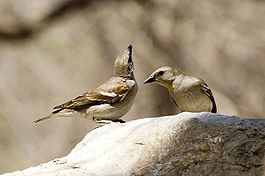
54	50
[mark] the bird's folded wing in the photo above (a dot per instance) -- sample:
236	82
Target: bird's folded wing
209	93
204	87
96	97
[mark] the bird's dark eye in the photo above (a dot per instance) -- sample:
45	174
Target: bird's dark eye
160	73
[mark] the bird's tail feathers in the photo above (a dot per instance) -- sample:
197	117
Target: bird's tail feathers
43	118
64	113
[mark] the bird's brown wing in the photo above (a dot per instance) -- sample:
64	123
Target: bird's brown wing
209	93
109	95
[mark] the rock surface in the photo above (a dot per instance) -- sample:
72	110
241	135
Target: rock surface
183	144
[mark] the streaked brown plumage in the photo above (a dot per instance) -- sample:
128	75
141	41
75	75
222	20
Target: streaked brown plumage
95	97
110	101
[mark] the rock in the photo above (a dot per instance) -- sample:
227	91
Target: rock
183	144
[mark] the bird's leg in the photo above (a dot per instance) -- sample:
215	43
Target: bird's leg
101	121
107	121
119	120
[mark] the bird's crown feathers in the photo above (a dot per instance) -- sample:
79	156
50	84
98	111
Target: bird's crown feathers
123	65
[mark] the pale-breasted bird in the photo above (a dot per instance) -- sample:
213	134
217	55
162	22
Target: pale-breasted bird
189	93
110	101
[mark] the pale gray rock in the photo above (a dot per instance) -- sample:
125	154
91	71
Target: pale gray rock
184	144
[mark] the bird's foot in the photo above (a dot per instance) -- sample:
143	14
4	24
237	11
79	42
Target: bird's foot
103	122
119	120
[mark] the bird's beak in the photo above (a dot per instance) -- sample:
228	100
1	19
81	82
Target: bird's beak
149	80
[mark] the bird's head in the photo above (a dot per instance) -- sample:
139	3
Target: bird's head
123	65
163	76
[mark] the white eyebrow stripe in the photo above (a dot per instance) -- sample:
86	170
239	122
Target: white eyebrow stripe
108	94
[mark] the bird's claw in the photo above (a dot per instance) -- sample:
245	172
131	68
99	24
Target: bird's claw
104	122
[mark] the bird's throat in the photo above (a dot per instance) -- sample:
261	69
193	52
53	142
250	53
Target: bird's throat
169	87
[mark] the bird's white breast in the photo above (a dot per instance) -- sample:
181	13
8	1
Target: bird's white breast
117	110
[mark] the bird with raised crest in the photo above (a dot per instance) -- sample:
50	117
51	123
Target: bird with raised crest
110	101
